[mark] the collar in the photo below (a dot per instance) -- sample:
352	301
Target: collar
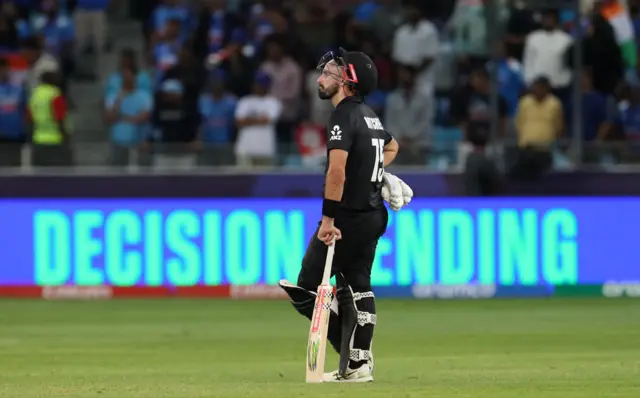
351	99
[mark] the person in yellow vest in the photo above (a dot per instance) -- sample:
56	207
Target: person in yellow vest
47	113
539	123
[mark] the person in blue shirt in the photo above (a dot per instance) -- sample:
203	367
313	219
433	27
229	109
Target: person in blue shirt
363	14
128	61
629	117
56	29
166	51
53	25
12	118
172	10
217	129
215	28
128	114
510	79
594	111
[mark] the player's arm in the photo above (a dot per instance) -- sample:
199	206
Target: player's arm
336	175
391	148
338	146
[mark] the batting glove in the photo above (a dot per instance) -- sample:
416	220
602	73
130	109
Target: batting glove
392	191
407	192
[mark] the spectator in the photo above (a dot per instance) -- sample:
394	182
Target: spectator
215	28
545	55
128	61
469	28
191	76
12	110
416	43
385	21
256	118
616	13
47	115
539	123
601	54
286	86
520	23
217	112
267	18
617	103
176	126
629	117
167	48
171	10
510	79
128	113
409	115
593	110
471	109
55	29
238	67
91	22
481	175
364	11
39	62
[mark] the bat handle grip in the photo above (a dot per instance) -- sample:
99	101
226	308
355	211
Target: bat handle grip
329	262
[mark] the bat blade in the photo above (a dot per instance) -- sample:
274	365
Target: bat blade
317	345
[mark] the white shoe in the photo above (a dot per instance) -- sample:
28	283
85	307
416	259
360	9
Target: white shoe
361	375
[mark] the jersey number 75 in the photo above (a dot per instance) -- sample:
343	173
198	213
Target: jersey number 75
378	166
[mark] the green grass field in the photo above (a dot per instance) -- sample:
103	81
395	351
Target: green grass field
214	348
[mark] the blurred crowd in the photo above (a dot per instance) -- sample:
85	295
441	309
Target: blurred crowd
233	82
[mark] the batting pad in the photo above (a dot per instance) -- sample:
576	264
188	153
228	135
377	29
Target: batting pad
362	338
303	301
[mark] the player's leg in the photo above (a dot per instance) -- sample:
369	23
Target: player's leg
357	305
358	317
303	294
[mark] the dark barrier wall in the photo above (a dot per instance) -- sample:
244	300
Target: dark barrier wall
291	185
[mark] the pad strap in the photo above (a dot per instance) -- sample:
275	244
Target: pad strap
357	355
366	317
359	296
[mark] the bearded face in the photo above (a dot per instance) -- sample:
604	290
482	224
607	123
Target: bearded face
327	92
329	82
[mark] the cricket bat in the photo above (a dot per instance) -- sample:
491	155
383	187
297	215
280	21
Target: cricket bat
317	345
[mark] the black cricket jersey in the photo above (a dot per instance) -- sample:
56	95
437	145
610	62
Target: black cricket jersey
355	128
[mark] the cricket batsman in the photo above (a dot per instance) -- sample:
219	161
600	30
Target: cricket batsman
353	212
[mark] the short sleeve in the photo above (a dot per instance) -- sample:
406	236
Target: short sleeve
59	106
340	131
146	101
110	100
274	109
387	137
243	109
203	106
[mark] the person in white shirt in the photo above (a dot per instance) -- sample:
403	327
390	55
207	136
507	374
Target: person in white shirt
545	53
409	116
417	43
256	118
